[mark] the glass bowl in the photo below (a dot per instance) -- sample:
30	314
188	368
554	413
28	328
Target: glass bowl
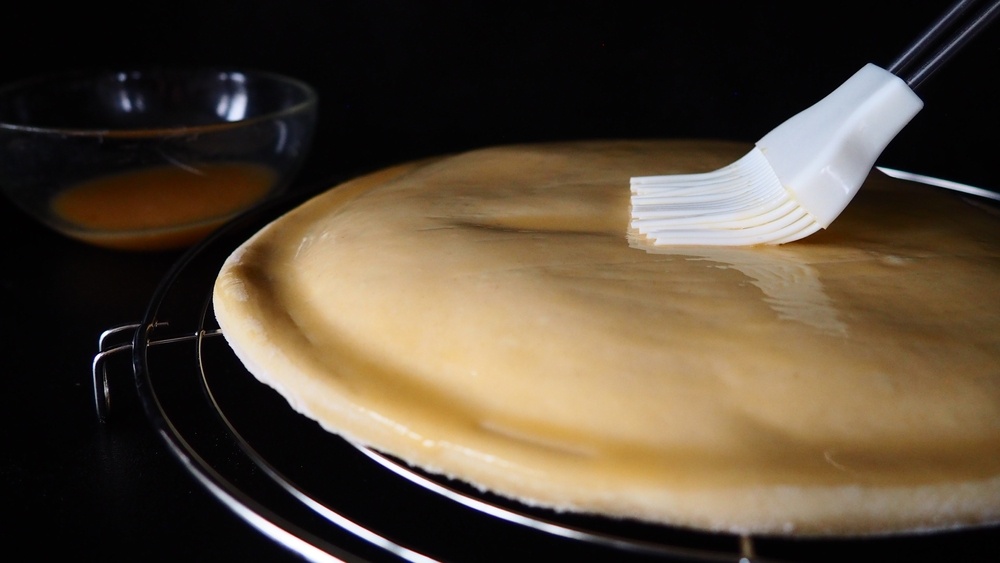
151	159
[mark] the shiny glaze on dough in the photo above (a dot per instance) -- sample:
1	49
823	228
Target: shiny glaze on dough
486	316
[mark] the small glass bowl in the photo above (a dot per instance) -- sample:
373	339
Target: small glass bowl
151	159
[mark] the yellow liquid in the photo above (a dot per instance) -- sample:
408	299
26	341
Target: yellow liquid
160	207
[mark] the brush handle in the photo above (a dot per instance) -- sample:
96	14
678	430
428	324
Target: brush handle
949	48
824	153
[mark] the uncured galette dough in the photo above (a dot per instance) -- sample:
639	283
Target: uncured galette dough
485	316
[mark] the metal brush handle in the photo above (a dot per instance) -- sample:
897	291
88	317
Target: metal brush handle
946	50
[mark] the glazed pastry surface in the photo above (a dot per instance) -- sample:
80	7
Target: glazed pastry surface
488	317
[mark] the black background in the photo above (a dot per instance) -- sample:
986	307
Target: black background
397	80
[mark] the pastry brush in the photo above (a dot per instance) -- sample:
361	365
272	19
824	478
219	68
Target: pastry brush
801	175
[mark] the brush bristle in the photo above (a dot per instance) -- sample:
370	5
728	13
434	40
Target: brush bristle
741	204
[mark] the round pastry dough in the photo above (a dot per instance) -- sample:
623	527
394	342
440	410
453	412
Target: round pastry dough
486	316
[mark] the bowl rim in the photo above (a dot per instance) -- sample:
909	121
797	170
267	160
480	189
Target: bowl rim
310	99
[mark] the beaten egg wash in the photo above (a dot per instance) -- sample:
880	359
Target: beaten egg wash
160	207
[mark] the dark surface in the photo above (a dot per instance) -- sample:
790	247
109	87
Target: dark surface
397	80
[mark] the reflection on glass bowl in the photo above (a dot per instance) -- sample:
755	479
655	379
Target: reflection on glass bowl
150	159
